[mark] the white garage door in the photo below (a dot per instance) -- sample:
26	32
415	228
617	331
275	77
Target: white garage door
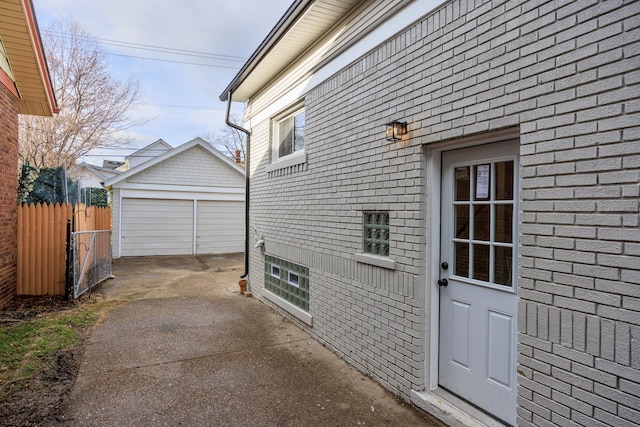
165	227
157	227
220	227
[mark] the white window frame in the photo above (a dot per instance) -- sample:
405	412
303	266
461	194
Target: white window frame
291	159
292	282
275	271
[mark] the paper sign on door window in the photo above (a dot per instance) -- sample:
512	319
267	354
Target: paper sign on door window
482	181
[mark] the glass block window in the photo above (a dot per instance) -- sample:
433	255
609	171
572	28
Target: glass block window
287	280
376	233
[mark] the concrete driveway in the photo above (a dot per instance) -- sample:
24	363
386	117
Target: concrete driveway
185	348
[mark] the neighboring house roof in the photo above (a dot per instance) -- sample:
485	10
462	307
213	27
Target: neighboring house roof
20	36
303	24
197	142
146	153
84	170
111	164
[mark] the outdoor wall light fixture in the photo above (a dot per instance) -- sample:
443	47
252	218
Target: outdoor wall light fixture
395	130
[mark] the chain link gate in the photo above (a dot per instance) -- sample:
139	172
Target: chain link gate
89	260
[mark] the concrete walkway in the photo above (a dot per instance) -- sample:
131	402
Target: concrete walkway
185	348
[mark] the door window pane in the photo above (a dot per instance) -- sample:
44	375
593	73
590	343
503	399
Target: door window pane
503	265
462	259
481	262
481	222
482	174
503	227
504	180
463	183
462	221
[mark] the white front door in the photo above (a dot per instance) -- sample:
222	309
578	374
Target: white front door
478	254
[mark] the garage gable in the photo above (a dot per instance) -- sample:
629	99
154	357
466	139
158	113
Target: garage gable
188	200
195	165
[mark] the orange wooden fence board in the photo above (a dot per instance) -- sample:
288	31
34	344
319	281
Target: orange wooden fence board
42	230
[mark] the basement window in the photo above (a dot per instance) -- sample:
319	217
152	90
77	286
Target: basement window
275	271
290	284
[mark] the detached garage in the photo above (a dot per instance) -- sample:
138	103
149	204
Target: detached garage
188	200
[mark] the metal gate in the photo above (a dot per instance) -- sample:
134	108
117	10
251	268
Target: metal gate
89	260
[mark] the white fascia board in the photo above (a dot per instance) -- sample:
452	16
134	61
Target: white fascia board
181	195
383	32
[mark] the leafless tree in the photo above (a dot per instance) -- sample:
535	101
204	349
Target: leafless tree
94	105
228	140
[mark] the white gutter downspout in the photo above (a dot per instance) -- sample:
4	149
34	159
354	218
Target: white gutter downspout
246	184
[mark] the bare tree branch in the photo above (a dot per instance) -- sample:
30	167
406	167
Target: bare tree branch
228	141
94	105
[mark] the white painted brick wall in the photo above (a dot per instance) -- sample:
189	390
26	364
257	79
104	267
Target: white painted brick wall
566	73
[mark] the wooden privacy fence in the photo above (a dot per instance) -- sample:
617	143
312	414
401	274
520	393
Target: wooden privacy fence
42	238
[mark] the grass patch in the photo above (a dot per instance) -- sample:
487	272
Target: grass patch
40	353
24	347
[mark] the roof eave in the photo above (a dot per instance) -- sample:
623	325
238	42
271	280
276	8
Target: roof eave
292	14
41	61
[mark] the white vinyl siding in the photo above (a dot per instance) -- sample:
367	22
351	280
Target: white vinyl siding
157	227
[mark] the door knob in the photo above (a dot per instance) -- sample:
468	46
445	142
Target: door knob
444	265
443	282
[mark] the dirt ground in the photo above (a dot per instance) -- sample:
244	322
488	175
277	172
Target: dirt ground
42	398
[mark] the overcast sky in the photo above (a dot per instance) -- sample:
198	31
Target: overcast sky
181	98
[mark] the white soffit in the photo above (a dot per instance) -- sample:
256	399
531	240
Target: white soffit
309	27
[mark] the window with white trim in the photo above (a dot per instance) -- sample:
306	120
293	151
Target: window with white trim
275	271
288	133
294	279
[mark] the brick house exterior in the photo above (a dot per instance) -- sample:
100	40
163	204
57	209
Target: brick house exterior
559	83
25	88
8	194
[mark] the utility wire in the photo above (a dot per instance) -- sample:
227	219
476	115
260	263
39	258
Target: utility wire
162	49
172	61
153	48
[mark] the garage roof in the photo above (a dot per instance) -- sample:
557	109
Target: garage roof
21	38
